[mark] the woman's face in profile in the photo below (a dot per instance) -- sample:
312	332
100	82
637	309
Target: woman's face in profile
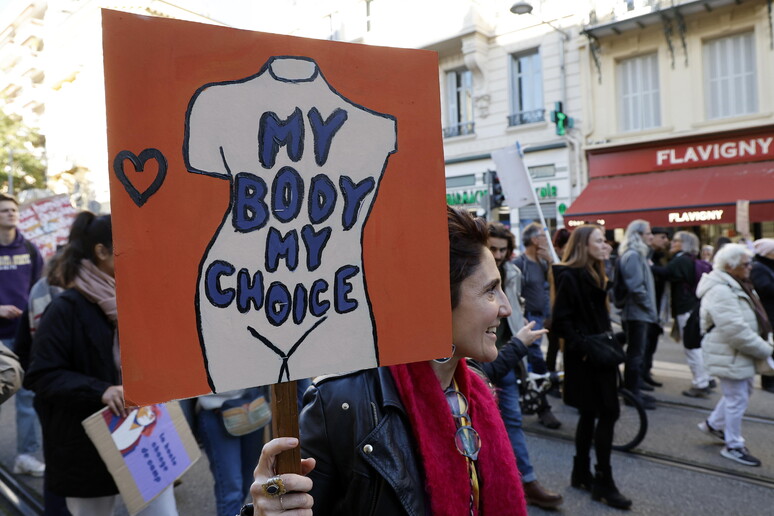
598	248
105	260
482	304
741	271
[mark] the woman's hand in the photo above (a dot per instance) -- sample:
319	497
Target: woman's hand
527	335
113	397
296	501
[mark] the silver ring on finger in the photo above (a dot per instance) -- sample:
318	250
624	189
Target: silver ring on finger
282	507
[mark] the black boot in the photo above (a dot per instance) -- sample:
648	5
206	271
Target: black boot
581	473
604	489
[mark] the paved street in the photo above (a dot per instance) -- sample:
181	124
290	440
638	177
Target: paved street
676	470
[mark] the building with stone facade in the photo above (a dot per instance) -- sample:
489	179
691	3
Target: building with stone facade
669	99
501	75
680	115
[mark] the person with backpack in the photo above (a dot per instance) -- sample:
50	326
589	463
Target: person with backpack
20	267
682	272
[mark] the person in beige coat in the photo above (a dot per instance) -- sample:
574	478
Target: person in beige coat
737	334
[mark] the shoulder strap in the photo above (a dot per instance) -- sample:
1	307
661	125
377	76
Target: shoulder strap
34	253
31	248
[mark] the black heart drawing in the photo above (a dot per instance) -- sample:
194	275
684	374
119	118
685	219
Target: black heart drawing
139	165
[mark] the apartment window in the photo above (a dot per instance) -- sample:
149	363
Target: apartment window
368	15
526	89
459	92
456	181
729	69
640	106
542	171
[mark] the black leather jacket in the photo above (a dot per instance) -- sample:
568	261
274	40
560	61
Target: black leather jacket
356	428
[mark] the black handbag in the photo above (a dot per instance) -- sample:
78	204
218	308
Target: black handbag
603	350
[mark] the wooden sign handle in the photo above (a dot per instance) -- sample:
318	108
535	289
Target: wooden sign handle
284	423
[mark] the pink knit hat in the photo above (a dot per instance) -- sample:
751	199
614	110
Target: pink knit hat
764	246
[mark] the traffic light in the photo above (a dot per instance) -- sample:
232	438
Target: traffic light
562	121
496	198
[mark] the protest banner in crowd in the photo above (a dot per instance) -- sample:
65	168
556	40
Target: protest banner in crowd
46	222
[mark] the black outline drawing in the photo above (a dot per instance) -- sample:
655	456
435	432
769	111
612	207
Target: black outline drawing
284	356
314	290
138	197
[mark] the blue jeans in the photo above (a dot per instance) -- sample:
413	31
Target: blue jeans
28	435
537	363
508	399
232	460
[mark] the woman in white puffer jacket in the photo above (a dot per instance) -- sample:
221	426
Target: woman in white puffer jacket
738	334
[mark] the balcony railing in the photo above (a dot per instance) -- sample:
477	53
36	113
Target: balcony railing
459	129
526	117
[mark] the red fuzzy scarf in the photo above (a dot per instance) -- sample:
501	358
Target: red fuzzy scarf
447	482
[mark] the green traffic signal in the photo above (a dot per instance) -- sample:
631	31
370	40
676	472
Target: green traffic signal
562	121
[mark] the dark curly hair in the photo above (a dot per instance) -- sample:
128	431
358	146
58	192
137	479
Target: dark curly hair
467	243
498	230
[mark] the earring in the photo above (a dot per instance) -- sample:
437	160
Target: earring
444	360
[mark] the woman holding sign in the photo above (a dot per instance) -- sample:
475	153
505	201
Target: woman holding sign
421	438
75	372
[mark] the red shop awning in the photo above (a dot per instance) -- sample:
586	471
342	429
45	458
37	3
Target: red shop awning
677	198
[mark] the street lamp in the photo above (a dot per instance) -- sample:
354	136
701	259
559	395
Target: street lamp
521	8
526	8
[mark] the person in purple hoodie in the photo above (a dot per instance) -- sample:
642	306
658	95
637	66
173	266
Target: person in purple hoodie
20	267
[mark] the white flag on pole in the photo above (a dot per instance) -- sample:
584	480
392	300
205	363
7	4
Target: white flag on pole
514	177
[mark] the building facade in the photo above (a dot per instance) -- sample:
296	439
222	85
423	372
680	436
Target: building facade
683	117
501	75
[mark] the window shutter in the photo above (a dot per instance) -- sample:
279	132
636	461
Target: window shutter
729	65
639	98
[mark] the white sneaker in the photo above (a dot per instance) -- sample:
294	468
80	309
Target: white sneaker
705	427
28	465
740	455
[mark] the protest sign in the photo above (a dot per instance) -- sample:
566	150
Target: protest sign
46	223
278	206
145	452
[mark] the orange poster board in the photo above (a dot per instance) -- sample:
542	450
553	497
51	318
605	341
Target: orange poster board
278	206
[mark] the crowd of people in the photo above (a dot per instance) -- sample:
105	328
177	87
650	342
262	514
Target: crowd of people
439	437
